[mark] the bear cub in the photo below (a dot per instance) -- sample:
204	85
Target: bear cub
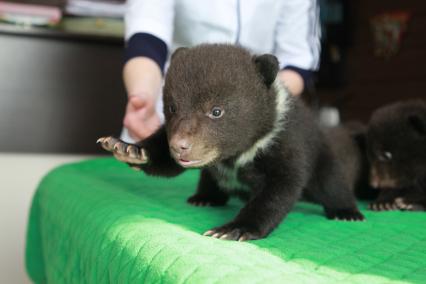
396	147
226	113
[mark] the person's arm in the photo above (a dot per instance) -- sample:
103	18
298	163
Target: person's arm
292	80
297	43
142	79
149	28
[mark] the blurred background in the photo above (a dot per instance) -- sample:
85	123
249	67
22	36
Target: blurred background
61	85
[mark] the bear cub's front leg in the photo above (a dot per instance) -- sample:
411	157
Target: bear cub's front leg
208	193
151	155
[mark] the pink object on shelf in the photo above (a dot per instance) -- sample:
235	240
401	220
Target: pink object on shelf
9	10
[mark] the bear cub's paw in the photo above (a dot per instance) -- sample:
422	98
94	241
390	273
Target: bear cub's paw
205	200
344	214
123	151
383	206
234	232
405	205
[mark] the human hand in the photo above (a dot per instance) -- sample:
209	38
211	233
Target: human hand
141	118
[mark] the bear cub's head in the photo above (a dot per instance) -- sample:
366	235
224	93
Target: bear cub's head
218	101
396	144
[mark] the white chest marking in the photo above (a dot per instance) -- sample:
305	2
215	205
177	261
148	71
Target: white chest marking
282	107
228	178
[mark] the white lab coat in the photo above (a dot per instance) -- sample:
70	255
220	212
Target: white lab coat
289	29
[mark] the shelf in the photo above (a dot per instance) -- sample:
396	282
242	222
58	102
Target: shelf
72	28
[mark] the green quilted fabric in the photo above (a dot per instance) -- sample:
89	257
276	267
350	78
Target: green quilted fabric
99	221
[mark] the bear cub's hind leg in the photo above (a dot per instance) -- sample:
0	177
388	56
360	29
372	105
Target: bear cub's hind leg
336	196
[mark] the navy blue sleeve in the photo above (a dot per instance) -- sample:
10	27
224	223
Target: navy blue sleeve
147	45
305	74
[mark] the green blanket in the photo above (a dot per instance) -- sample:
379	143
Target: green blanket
99	221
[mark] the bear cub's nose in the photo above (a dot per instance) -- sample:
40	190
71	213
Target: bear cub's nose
180	146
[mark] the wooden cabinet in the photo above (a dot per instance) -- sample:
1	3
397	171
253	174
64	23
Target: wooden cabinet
58	92
372	81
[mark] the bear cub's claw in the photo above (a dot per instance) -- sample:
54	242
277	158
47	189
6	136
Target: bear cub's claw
202	200
344	215
123	151
403	204
383	206
234	232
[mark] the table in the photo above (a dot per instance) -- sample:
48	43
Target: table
99	221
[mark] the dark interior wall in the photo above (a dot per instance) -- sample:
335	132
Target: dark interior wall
58	95
373	81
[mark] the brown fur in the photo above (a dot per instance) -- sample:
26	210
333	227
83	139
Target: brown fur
396	142
264	146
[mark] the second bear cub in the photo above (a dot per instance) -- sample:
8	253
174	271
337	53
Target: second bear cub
396	143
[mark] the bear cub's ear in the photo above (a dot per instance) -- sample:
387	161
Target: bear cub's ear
418	123
178	50
267	65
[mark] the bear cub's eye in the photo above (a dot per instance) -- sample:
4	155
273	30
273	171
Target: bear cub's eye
216	113
385	156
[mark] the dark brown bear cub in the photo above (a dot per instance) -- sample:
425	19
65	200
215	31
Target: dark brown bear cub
227	114
396	143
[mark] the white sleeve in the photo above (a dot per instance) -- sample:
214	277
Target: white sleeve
298	32
148	16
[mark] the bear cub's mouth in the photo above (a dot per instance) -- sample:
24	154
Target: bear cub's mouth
189	163
185	161
194	161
